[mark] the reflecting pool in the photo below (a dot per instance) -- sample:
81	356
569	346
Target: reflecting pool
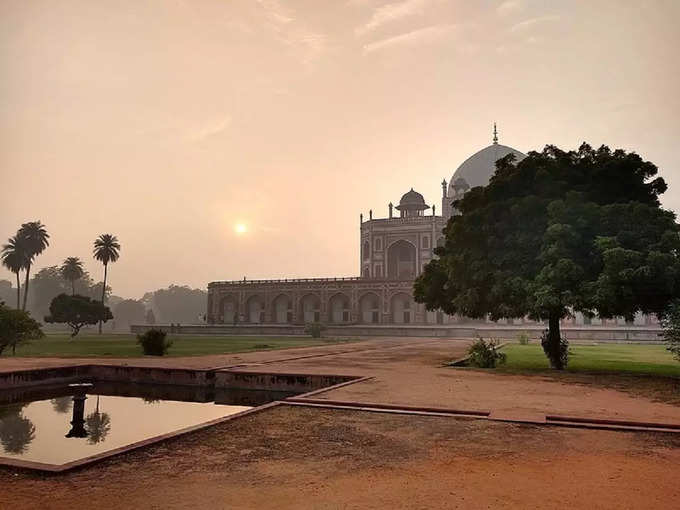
66	424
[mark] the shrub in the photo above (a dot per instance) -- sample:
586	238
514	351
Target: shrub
563	352
153	342
314	329
523	339
485	354
670	322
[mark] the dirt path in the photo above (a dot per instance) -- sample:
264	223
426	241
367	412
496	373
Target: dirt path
310	458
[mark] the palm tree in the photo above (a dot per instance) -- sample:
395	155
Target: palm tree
98	425
14	258
106	248
34	238
72	270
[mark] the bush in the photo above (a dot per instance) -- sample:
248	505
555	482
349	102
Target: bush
670	322
523	339
485	354
314	329
563	352
153	342
17	327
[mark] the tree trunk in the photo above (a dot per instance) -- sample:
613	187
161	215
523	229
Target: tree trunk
106	266
73	287
554	341
18	291
28	272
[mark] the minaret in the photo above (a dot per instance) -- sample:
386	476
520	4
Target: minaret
390	206
495	134
445	200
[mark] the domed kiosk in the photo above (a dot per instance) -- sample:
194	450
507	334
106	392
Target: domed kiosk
412	203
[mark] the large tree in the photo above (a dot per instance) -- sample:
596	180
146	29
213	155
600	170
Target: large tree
557	233
77	311
72	271
33	239
106	250
13	257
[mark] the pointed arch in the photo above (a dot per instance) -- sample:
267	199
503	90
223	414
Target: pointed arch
401	260
369	308
339	308
282	309
255	309
310	308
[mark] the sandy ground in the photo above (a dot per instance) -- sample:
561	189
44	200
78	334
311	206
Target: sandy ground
298	457
292	457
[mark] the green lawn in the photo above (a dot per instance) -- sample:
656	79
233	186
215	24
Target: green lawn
632	359
125	345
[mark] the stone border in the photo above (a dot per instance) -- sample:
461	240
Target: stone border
60	468
538	419
305	400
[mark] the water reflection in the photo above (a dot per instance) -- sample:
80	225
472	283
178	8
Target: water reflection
78	421
62	405
98	425
16	431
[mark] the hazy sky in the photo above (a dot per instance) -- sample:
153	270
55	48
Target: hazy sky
168	122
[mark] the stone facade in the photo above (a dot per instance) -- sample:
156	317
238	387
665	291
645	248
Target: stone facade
393	251
327	300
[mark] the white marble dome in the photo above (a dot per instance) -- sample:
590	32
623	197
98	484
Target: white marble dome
478	168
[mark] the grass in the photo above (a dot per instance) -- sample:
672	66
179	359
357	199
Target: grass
632	359
126	346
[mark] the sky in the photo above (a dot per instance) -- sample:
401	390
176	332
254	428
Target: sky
169	122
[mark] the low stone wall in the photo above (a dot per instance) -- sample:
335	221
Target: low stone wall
196	379
108	373
223	329
45	376
152	375
297	383
622	333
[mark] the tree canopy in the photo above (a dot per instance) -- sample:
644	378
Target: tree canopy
178	303
72	270
556	233
17	327
49	282
77	311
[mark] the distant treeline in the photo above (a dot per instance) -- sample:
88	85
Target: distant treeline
176	304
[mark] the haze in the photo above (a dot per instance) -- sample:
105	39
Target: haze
168	123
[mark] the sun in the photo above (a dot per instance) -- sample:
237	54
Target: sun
240	228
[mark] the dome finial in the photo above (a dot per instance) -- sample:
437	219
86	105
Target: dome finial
495	134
